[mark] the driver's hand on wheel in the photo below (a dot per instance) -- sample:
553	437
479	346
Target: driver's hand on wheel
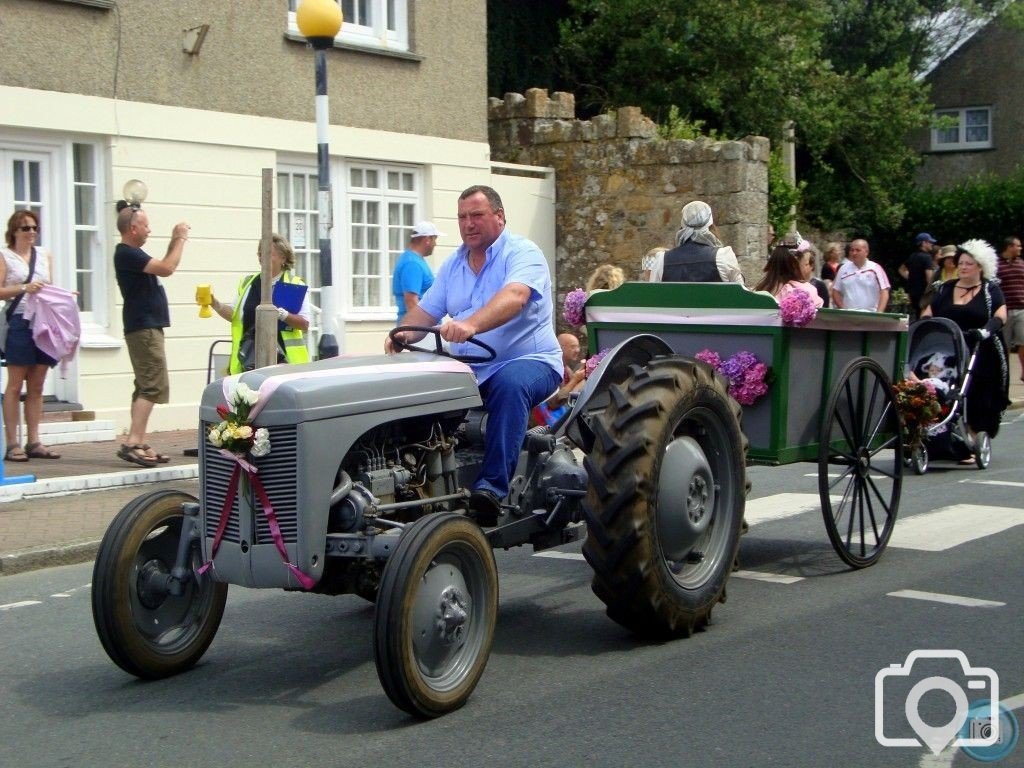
389	346
457	331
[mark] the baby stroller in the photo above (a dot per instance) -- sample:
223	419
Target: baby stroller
939	355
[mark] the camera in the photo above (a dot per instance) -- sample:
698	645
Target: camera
980	683
981	729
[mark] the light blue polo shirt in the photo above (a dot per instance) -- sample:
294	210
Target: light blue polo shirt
458	293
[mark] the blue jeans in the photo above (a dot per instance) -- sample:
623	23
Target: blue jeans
508	396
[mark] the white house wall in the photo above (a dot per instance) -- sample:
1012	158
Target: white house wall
205	167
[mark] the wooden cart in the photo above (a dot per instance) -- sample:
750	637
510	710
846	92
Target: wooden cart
829	400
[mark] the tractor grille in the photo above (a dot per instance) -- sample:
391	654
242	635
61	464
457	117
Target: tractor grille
277	472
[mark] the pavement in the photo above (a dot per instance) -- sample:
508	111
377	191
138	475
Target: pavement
60	518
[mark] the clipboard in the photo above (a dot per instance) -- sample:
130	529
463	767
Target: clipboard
289	295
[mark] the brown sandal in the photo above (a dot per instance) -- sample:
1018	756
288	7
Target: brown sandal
15	453
136	455
161	458
39	451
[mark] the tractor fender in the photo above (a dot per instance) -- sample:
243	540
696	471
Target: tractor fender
613	368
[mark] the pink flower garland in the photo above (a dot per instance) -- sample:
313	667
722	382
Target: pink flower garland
797	309
746	374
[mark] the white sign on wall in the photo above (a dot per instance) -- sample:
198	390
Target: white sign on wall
298	237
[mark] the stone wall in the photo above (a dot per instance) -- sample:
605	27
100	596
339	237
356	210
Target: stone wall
620	188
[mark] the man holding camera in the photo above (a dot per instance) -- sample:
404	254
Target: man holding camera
145	315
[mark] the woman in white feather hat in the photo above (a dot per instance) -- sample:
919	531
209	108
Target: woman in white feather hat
975	303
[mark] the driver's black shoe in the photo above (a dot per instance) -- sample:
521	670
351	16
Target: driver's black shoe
484	507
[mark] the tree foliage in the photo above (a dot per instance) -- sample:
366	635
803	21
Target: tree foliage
522	45
733	64
987	207
783	196
847	73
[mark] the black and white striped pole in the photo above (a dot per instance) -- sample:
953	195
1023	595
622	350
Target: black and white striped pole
319	21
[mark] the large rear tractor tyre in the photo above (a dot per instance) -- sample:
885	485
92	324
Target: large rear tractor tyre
146	630
666	498
436	610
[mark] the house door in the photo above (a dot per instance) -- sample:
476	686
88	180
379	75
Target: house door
25	182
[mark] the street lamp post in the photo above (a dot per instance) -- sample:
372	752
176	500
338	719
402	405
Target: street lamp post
319	21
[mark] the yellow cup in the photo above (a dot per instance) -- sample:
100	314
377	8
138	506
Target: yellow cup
204	297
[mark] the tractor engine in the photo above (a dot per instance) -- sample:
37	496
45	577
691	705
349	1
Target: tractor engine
406	461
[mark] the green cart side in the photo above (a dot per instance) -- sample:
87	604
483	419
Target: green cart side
829	399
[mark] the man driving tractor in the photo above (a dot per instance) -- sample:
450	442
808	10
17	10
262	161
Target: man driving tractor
495	288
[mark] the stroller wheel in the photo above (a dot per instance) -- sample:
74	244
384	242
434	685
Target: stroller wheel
983	450
919	460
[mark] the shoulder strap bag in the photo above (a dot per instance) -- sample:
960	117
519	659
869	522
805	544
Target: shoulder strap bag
5	319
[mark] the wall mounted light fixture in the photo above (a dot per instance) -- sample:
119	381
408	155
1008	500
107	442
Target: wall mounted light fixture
192	39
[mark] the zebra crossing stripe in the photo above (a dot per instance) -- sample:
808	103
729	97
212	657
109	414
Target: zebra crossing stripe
775	578
555	554
938	597
779	506
1008	483
22	604
952	526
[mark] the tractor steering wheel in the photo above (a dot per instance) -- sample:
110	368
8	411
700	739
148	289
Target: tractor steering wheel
398	345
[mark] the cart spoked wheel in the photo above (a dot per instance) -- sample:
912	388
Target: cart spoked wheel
860	445
982	450
436	610
666	497
919	459
145	628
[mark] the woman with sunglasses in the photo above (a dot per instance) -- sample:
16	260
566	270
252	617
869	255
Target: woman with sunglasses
26	364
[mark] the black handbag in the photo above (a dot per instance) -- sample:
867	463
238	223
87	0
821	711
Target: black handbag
247	351
9	312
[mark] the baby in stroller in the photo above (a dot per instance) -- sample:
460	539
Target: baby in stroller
938	356
938	372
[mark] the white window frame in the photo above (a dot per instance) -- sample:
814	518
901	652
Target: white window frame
392	237
89	275
300	226
386	29
940	142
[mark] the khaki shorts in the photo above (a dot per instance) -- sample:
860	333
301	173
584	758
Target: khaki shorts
1015	327
146	350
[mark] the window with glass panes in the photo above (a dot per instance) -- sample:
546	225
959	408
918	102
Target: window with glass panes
86	225
969	128
382	204
370	23
298	221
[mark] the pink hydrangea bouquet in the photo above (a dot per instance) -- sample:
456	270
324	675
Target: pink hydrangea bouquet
572	309
748	376
593	362
797	309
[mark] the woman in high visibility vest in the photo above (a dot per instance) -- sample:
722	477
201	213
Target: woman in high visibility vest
242	313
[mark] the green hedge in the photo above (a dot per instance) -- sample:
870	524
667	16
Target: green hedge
987	207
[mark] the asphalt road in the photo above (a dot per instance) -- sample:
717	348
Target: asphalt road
785	676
